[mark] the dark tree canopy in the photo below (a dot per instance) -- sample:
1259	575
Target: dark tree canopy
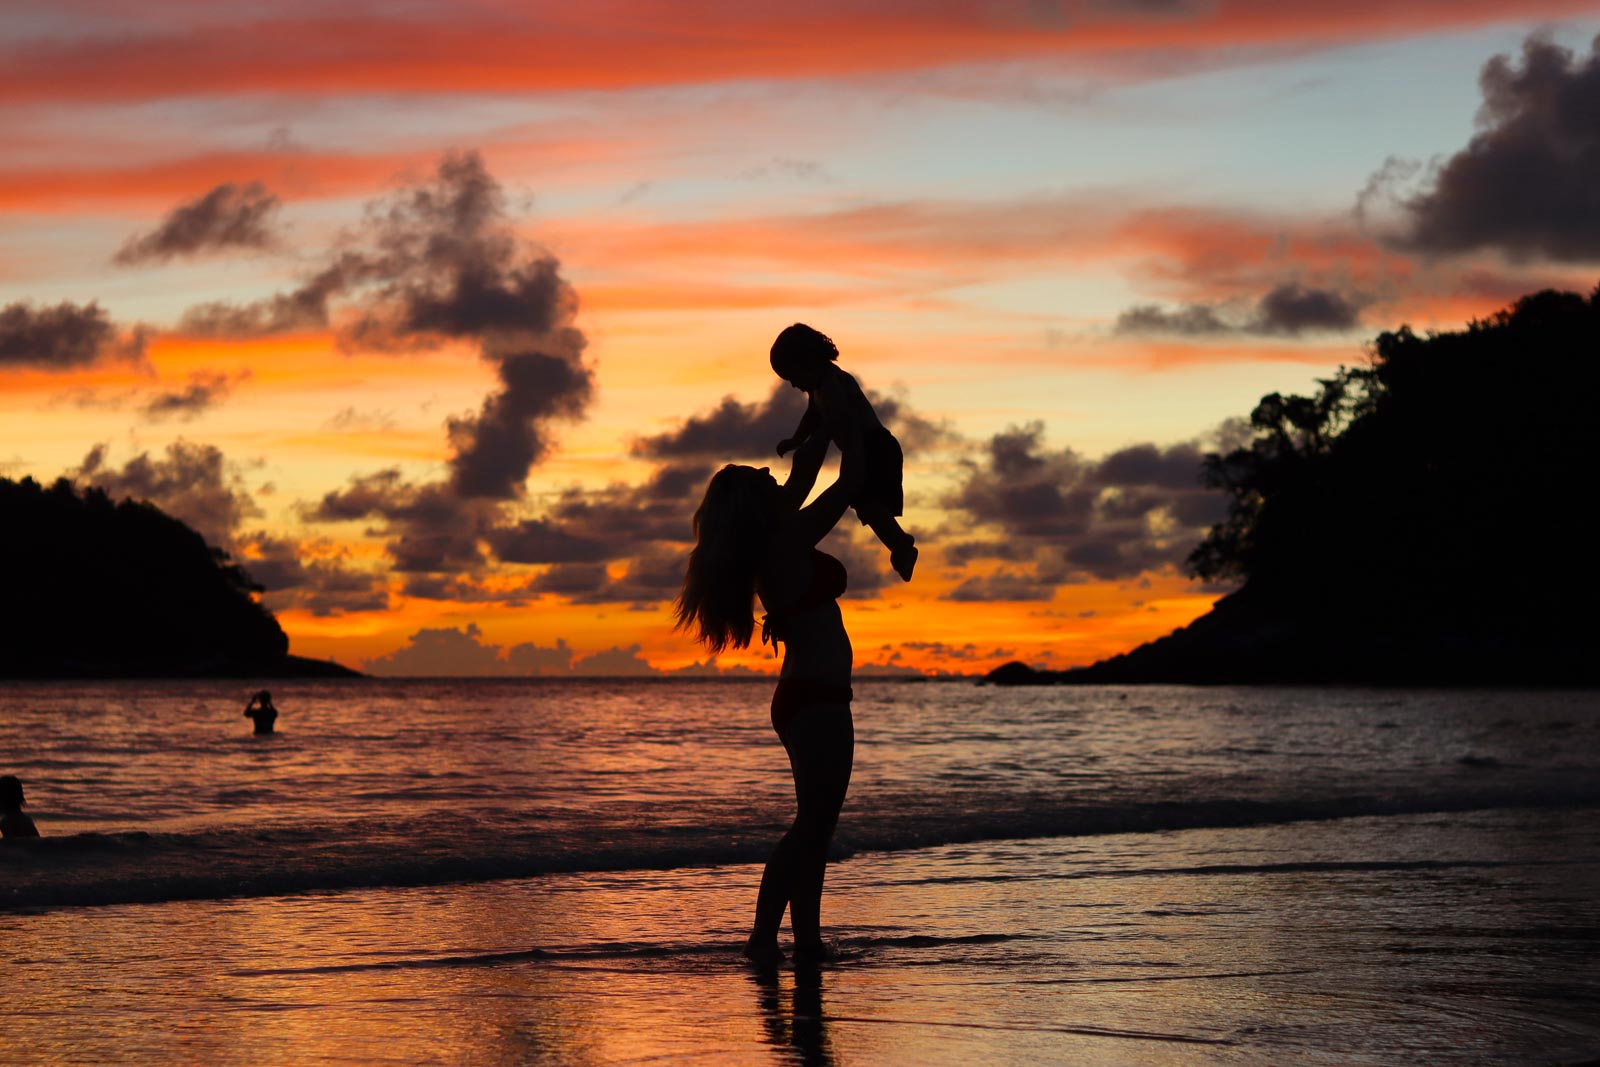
1444	478
97	588
1419	519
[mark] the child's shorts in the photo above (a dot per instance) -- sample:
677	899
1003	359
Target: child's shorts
881	490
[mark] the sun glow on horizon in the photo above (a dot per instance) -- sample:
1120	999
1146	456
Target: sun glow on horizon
442	337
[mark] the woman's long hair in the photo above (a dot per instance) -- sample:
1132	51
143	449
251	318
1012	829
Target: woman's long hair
731	528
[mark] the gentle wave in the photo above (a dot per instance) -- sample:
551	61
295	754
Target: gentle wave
143	867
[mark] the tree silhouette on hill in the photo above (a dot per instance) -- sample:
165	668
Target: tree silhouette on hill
1416	520
103	589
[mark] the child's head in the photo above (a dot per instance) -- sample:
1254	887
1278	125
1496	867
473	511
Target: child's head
10	792
800	353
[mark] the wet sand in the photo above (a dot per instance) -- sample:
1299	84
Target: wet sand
1457	938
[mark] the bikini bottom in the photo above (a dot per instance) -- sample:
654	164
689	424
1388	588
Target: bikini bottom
793	694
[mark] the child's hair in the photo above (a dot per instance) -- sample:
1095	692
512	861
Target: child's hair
800	342
731	528
11	792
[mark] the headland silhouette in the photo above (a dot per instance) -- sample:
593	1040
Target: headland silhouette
100	589
1416	521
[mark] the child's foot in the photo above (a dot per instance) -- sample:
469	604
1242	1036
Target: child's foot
904	561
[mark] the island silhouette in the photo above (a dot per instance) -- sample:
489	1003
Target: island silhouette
100	589
1419	520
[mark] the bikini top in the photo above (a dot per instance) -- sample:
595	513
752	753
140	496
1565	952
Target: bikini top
828	582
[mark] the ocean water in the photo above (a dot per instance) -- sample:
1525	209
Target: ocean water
562	872
159	791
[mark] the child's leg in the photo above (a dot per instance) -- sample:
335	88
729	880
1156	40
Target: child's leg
901	545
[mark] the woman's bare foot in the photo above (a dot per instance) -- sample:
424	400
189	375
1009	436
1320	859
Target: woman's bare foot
765	954
815	954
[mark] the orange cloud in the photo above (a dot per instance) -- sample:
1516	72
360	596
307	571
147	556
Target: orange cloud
631	44
289	173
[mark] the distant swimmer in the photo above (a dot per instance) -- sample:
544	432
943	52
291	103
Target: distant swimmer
13	823
260	710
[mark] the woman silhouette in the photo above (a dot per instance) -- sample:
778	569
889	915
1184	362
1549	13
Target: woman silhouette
753	538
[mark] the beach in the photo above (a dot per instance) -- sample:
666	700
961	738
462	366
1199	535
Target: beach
1227	920
1459	939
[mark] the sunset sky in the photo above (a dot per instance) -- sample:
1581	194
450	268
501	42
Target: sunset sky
439	315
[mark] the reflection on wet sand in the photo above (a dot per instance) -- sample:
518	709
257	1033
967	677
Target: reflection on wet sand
1453	939
791	1009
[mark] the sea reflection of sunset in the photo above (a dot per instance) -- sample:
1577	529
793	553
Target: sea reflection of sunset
561	872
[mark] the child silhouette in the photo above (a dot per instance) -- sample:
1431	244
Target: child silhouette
806	359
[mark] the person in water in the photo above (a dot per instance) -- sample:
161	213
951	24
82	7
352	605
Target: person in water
261	711
836	407
14	822
754	539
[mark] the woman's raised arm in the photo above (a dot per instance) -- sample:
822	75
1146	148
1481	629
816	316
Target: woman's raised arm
813	522
803	470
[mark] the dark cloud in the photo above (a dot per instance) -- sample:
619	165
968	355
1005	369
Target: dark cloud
650	578
193	482
1173	467
865	560
914	431
1061	518
1289	309
678	482
65	337
305	308
431	262
445	652
613	662
274	562
228	217
541	541
467	589
961	553
1293	309
449	652
968	651
1526	183
1191	320
1028	493
197	484
440	261
308	577
430	529
626	517
495	449
204	391
731	430
578	582
531	658
1006	585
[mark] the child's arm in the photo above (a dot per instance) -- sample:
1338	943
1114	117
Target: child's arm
808	425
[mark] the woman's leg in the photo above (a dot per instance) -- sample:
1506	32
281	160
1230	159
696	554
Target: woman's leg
820	741
821	744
